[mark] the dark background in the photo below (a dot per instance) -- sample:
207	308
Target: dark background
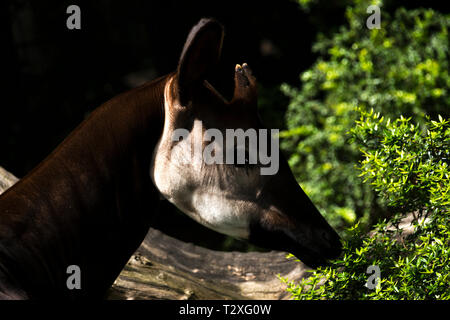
53	77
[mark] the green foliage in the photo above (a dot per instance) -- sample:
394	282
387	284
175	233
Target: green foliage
402	72
409	168
400	69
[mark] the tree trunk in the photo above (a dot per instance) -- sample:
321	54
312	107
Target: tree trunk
167	268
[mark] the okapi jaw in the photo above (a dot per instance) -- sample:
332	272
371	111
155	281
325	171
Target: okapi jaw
270	211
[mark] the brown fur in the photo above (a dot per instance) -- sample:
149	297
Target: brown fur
89	203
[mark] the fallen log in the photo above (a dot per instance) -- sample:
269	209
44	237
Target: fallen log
166	268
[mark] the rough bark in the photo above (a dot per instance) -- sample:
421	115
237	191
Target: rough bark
167	268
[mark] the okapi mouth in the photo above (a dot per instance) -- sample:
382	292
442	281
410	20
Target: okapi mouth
312	255
319	254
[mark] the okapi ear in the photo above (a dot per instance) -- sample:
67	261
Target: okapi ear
200	54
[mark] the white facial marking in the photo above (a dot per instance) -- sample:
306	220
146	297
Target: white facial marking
215	195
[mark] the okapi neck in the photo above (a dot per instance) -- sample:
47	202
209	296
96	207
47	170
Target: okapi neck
89	203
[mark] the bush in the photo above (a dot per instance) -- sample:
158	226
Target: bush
409	168
400	69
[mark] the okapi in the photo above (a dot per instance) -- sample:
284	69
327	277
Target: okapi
91	202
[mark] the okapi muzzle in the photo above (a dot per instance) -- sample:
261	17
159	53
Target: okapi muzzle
91	202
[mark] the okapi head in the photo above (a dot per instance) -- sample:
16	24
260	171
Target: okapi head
230	188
